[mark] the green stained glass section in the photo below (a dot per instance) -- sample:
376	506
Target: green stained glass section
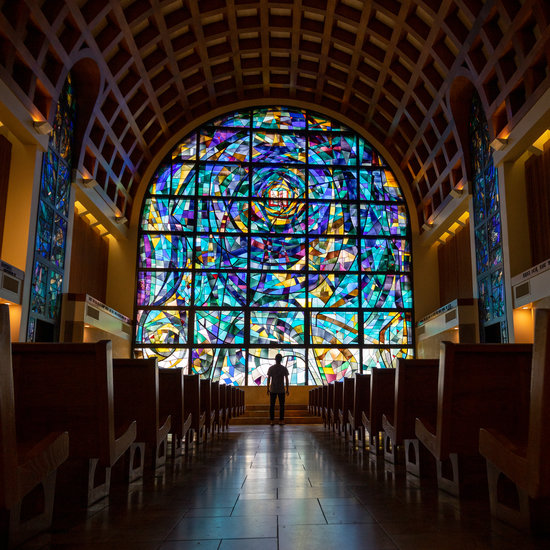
277	327
385	255
165	251
333	290
223	365
277	290
280	253
58	241
161	327
164	288
44	230
260	359
333	254
367	155
39	286
386	291
332	149
279	119
218	252
54	293
333	364
167	358
337	328
219	327
222	216
220	289
164	214
391	328
332	183
378	219
379	185
223	180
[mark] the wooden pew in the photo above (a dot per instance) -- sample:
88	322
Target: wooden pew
517	455
323	404
415	396
479	386
28	462
224	408
382	384
192	404
361	405
69	387
329	404
216	410
136	387
348	392
338	397
206	405
171	404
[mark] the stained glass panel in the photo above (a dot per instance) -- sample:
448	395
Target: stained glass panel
167	357
252	247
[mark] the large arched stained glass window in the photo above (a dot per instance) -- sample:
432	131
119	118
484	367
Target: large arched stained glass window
274	230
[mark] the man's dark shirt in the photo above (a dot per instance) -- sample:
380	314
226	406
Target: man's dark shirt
277	374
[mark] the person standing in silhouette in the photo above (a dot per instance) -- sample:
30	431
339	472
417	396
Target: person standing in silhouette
277	375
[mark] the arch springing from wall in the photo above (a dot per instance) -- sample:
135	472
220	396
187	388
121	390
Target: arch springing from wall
274	230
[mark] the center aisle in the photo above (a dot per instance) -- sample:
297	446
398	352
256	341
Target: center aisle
282	488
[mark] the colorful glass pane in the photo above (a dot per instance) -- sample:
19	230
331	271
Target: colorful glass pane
279	119
320	123
368	156
497	293
224	365
391	328
222	216
39	285
183	179
385	255
165	251
161	184
384	358
49	175
482	249
282	253
279	183
379	185
386	291
332	149
63	189
260	359
278	216
54	293
277	289
163	214
332	183
327	254
58	241
234	120
377	219
276	327
164	288
275	147
222	180
186	150
334	364
167	358
335	328
332	218
224	145
333	290
217	252
44	230
161	327
219	327
220	289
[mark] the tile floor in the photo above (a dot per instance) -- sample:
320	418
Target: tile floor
281	488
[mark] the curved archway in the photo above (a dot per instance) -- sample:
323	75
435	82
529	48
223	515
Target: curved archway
274	230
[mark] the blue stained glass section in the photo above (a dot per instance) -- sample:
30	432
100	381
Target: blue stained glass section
220	289
165	251
332	183
217	252
386	291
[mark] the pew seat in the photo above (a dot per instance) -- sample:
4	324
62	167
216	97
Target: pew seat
361	403
479	386
192	403
381	401
69	387
28	465
518	466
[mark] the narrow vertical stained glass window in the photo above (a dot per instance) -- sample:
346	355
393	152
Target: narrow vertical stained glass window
52	223
487	228
274	230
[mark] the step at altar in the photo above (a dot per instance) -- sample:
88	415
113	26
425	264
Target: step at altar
259	414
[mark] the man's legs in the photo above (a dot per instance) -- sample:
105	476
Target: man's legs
281	406
272	399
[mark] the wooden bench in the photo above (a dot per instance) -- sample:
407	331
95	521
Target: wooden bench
323	404
224	408
347	404
171	404
206	405
192	404
136	386
361	405
28	465
216	411
338	396
382	384
329	404
415	396
518	466
69	387
479	386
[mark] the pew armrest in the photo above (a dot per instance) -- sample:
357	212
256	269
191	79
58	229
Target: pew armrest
508	456
125	436
38	459
426	434
187	424
389	428
165	428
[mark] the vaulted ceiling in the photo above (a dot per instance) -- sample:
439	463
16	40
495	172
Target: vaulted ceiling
399	69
